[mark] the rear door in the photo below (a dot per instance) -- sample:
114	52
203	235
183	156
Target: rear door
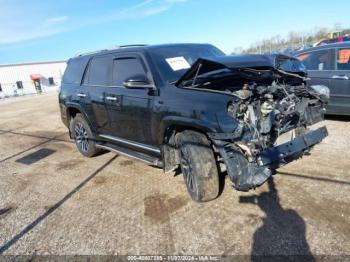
340	83
97	77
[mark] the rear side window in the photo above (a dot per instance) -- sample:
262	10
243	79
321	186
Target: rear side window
124	68
343	59
99	71
75	70
318	60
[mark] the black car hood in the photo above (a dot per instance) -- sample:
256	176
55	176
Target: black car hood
278	62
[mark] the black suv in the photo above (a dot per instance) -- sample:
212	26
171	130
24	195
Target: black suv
190	105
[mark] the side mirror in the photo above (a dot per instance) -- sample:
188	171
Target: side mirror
138	81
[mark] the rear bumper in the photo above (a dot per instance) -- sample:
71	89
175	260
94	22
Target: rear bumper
64	118
277	155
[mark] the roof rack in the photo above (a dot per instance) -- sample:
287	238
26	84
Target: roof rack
137	45
93	52
115	47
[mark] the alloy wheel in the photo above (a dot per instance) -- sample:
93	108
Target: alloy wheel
187	172
81	137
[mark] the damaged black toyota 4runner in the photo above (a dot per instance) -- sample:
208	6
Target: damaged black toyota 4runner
190	105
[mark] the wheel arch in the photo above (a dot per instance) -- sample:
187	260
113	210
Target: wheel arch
72	110
170	141
170	124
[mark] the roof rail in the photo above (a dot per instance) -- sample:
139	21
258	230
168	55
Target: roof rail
136	45
93	52
114	47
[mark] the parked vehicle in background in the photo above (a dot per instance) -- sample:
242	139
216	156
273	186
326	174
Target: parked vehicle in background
332	40
334	34
190	105
334	37
329	65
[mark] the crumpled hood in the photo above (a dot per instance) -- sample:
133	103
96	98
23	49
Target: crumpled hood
277	62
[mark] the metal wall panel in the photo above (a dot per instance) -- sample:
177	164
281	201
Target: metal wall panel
10	74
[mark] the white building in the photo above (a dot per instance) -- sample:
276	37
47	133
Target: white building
13	76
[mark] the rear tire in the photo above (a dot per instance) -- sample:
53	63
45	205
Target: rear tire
198	166
83	137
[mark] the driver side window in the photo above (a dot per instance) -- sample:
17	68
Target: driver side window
126	67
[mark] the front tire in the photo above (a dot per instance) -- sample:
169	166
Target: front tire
83	137
198	166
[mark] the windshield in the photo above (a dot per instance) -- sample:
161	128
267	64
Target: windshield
173	61
290	64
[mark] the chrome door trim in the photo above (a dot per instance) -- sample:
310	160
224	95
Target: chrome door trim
341	77
111	98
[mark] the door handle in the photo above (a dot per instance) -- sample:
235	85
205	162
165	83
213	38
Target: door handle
111	98
81	95
344	77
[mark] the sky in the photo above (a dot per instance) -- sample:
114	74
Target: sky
43	30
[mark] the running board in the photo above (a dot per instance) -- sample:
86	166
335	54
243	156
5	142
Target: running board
150	160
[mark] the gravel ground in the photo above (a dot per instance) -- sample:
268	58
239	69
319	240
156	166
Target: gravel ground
58	202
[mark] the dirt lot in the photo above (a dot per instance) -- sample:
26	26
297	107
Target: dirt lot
54	201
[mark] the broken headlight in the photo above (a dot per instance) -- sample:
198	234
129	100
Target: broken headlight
322	90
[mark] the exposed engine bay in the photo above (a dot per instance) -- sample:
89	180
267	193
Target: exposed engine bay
268	101
269	111
265	112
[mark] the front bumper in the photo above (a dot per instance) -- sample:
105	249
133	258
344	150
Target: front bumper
277	155
246	175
